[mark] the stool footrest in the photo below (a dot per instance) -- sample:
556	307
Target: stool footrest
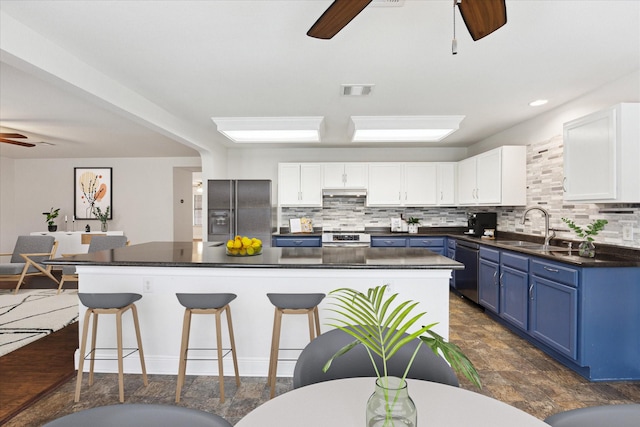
114	349
226	352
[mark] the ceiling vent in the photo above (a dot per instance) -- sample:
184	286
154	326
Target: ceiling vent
356	90
385	3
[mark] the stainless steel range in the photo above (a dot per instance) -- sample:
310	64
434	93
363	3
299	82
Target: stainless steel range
347	239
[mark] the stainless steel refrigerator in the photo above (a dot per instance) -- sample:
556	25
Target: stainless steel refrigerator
239	207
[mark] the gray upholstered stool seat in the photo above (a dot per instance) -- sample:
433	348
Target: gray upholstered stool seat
209	303
108	303
140	415
598	416
294	303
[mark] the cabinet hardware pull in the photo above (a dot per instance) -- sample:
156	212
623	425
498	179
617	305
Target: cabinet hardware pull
531	292
552	270
495	275
441	195
564	187
501	274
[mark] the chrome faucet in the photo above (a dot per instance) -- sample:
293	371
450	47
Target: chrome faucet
547	236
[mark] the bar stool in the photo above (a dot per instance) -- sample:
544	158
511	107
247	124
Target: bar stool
291	304
206	304
115	303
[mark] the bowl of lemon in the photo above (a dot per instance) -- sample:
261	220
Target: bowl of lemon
244	246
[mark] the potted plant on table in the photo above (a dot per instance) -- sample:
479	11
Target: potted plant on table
102	216
414	224
51	216
586	247
370	319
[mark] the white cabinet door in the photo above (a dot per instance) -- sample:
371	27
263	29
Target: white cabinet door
344	175
590	157
489	177
467	181
288	184
299	184
447	184
420	184
310	184
385	184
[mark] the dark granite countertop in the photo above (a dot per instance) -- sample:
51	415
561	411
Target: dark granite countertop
188	254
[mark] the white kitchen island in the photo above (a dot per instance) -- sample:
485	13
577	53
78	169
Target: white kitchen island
161	269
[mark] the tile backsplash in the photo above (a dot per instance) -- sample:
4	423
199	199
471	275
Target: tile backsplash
544	189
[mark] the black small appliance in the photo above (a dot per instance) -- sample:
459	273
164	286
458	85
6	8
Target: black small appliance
479	222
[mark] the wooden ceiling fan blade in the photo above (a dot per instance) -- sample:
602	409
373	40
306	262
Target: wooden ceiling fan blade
482	17
11	135
23	144
336	17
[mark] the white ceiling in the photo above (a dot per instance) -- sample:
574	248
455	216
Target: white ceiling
143	78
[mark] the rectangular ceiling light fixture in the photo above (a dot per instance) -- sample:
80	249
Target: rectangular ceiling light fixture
271	129
403	128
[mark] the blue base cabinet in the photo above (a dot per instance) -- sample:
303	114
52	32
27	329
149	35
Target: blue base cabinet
297	241
587	318
434	244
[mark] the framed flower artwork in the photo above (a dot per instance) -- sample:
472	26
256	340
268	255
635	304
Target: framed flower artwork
92	189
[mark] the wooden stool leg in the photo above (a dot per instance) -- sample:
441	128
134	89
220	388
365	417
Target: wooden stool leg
311	324
120	363
219	348
275	344
317	317
136	324
232	341
94	334
83	348
182	368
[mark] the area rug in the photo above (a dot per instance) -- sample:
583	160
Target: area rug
33	314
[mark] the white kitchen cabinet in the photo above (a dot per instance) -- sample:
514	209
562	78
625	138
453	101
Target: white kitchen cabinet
299	184
344	175
420	184
385	184
410	184
497	177
602	156
447	184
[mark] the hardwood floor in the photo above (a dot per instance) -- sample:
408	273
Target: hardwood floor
511	369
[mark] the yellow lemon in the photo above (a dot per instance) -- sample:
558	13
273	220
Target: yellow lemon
246	241
230	244
250	251
237	244
242	251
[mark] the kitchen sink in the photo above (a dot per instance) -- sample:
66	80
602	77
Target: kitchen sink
532	246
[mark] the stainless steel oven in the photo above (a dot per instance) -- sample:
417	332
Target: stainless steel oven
346	239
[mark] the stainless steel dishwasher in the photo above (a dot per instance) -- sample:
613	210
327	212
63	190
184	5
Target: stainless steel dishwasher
466	282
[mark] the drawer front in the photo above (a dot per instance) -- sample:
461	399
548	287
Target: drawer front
512	260
426	242
389	242
490	254
451	243
556	272
298	242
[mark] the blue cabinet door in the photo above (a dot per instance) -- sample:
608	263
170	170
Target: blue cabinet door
388	242
514	296
554	315
302	242
488	285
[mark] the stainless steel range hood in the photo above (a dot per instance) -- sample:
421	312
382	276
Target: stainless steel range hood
344	192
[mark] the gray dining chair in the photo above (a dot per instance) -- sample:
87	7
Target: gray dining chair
356	362
598	416
97	243
140	415
27	257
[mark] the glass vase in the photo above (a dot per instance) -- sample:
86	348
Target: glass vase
103	227
587	249
390	405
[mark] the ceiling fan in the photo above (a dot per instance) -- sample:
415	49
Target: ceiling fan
8	138
482	17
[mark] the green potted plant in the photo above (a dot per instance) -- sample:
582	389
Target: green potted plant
102	216
370	319
414	224
586	247
51	216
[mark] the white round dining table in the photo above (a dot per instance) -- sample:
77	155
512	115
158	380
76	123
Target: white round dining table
342	403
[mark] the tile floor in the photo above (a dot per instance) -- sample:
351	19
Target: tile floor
512	371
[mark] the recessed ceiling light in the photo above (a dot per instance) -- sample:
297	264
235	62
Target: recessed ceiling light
271	129
538	102
403	128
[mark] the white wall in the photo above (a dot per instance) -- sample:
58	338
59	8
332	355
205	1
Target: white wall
142	195
549	125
